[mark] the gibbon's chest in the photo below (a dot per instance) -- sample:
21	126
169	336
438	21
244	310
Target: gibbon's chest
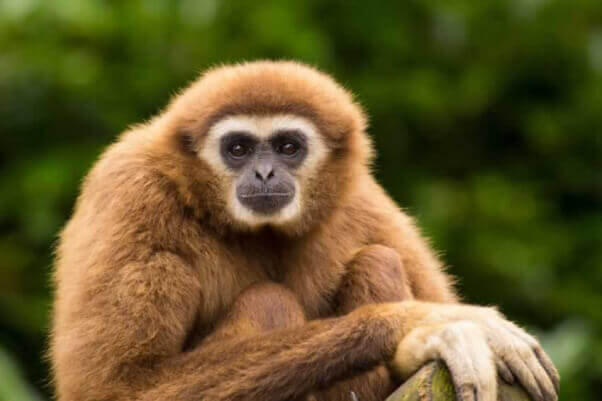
312	273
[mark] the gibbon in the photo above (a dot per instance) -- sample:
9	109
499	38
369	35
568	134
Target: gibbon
237	247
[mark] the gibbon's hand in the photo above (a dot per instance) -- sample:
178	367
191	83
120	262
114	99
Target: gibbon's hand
475	343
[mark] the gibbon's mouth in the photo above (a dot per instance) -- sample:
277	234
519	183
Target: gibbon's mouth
266	203
265	194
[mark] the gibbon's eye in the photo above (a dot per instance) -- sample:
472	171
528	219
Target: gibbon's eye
290	145
238	150
288	148
236	147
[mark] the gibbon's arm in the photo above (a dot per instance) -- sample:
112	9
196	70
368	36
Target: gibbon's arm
129	348
283	364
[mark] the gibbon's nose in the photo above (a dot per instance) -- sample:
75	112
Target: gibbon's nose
264	171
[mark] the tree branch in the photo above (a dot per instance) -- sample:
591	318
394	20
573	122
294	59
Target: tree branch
433	383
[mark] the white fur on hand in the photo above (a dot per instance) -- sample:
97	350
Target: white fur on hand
476	344
463	347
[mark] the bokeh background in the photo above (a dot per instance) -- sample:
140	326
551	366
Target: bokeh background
487	116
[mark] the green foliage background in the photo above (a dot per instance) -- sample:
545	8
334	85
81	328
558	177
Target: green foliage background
487	116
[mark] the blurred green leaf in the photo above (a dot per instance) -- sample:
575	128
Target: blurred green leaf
12	385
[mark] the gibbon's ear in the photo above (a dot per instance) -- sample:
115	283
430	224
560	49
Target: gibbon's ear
186	141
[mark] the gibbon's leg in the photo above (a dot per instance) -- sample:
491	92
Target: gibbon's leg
374	275
259	308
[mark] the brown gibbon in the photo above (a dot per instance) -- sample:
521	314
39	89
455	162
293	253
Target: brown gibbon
237	247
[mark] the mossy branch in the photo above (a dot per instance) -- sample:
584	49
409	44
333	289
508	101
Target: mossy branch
433	383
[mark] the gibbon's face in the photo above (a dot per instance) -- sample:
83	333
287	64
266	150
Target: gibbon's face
266	161
280	144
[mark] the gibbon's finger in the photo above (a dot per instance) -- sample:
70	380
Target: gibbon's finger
548	365
541	355
497	338
541	376
464	349
469	360
524	376
504	371
466	392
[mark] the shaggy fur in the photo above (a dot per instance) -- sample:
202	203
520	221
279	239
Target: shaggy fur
161	295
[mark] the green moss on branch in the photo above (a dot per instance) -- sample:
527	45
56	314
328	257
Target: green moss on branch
433	383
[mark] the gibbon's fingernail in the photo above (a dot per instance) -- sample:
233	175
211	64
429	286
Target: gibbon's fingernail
505	372
466	392
507	377
538	395
353	396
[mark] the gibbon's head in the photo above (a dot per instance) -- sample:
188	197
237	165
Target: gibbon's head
266	144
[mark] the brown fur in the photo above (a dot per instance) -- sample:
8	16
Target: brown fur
373	276
151	262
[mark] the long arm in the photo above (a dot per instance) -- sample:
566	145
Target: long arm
281	364
130	348
123	338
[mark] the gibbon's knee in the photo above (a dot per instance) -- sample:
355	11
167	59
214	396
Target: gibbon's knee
269	306
374	275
